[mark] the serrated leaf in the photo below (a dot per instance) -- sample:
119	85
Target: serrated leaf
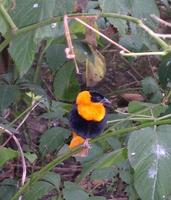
152	90
39	189
136	107
149	151
31	157
73	192
22	48
7	154
142	11
56	57
110	6
65	84
9	94
52	140
8	188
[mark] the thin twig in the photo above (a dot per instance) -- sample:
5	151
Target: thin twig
27	115
24	173
163	22
132	54
70	54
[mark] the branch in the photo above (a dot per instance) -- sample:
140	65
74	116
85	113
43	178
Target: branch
24	173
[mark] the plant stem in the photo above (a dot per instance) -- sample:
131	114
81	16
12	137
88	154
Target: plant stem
8	18
38	175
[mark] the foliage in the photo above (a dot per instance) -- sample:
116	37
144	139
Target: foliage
40	82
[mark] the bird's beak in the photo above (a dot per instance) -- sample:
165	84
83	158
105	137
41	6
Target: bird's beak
105	102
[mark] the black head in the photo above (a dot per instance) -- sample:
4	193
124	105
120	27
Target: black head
96	97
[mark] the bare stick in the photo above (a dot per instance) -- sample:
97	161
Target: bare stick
70	54
24	173
101	34
162	53
27	115
163	22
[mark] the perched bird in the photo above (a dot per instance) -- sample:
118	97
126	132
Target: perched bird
87	118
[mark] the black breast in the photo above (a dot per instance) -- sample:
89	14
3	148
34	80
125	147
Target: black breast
84	128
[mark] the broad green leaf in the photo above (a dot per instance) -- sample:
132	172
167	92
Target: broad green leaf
149	151
9	94
110	6
142	11
23	47
109	159
73	192
65	84
52	140
152	90
53	178
8	188
56	57
39	189
48	183
7	154
31	157
136	108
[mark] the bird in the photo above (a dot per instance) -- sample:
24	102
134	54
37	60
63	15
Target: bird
87	118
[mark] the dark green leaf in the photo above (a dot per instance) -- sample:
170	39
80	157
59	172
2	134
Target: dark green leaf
142	11
152	90
110	6
9	94
56	57
65	84
7	154
8	188
73	192
23	47
52	140
149	151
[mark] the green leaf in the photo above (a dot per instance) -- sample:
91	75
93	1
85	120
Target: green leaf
110	6
48	183
142	11
31	157
149	151
7	154
97	198
65	84
23	47
39	189
52	140
136	107
73	192
8	188
152	90
109	159
56	57
9	94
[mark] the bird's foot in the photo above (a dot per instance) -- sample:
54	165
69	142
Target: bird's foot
86	144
